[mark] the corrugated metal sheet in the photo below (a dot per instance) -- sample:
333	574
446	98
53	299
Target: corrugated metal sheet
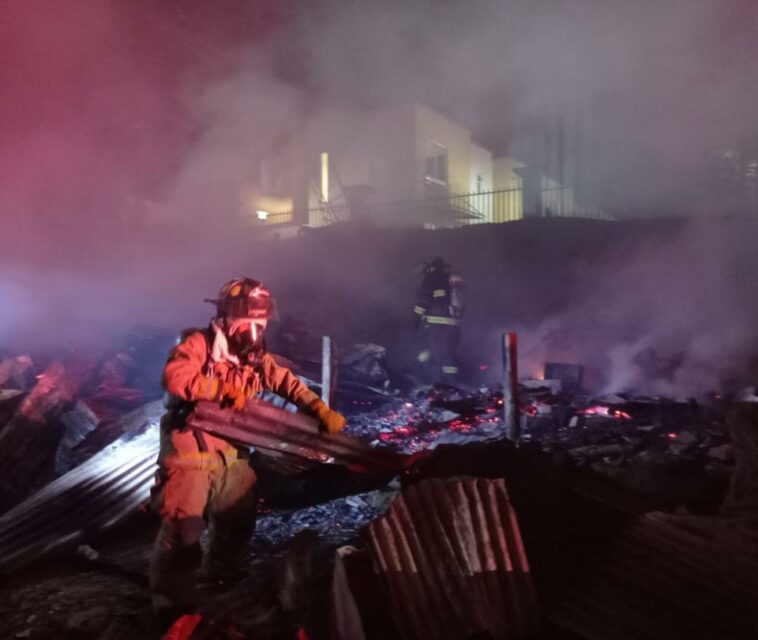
664	579
93	496
603	570
451	556
112	484
293	436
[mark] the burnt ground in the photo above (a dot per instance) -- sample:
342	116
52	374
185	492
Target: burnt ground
66	598
607	461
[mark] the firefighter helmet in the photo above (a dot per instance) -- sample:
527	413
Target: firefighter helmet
244	298
436	265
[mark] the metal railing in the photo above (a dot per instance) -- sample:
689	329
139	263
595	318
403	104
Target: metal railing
445	210
559	202
285	217
502	205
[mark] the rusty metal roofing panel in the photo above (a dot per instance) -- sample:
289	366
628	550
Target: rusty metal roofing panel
94	496
451	556
283	434
662	580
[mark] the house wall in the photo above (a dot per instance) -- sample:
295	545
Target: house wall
269	189
378	152
382	153
481	167
430	125
370	149
481	200
504	173
508	203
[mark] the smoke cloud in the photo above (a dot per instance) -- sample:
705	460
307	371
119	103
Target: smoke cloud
637	94
669	314
108	106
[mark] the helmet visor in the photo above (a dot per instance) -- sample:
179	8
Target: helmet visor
246	333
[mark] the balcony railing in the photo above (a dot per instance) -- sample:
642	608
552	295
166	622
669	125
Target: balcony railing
445	210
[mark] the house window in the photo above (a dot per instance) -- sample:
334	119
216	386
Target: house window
436	163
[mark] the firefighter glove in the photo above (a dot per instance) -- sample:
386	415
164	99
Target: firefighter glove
332	421
235	396
208	389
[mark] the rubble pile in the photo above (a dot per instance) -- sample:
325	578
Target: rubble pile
333	514
427	417
337	522
57	412
677	452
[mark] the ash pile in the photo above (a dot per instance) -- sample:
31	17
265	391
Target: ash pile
429	523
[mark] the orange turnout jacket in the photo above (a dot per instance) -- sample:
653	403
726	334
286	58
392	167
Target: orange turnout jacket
192	374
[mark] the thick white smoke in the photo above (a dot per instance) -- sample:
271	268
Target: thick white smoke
109	105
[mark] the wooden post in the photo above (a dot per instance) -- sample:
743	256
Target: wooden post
328	371
511	411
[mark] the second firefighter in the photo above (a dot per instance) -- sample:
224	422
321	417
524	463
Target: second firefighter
438	311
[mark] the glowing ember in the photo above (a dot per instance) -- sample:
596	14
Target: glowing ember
460	425
602	410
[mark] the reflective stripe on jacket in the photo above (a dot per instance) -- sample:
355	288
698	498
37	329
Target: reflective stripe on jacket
453	322
438	299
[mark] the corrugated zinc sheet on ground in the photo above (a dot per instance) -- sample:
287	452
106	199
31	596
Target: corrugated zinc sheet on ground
113	483
451	556
92	497
668	577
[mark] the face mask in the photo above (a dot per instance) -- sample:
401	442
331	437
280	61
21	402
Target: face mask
246	335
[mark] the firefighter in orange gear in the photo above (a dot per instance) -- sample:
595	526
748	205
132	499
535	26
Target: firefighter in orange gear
438	310
203	476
